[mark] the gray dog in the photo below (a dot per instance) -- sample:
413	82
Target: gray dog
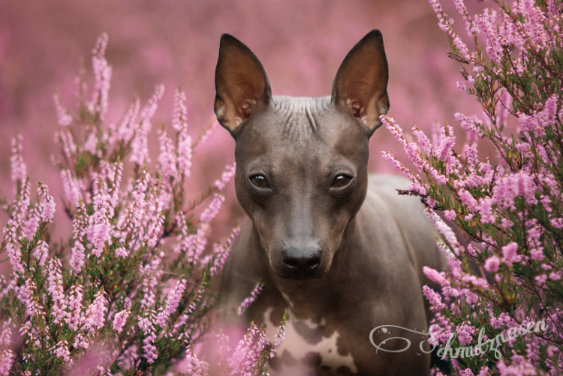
341	251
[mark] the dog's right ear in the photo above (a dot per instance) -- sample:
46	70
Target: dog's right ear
241	84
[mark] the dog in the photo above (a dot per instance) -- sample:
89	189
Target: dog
338	249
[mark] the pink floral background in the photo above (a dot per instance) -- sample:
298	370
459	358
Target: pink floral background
300	43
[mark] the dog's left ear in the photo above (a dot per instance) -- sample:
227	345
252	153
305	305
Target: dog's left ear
360	86
241	84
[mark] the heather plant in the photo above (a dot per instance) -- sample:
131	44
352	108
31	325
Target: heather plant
127	293
499	306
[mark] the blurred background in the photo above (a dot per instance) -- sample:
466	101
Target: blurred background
300	43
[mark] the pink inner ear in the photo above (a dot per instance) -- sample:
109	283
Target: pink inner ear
356	107
246	106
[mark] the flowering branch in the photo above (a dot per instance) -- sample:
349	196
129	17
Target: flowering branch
509	275
127	292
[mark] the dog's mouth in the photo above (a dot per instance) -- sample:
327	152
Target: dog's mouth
287	274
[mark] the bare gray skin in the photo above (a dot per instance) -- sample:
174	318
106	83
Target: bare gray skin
341	251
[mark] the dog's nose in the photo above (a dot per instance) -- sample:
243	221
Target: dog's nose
301	260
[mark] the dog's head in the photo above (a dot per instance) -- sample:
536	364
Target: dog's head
301	171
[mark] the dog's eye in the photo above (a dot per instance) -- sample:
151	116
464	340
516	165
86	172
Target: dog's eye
341	181
259	181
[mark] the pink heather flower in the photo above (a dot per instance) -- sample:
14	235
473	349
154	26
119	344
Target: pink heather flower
56	290
62	351
207	134
7	330
75	318
450	214
102	74
423	141
46	209
27	294
433	298
139	147
66	142
439	333
180	117
509	253
17	165
184	158
555	276
98	234
129	357
540	280
467	372
506	223
221	252
96	312
119	320
476	282
505	102
7	287
167	157
394	128
121	252
7	357
63	116
149	110
556	222
462	10
250	299
279	338
148	293
445	144
537	254
30	226
247	352
72	187
485	207
195	366
172	302
461	85
13	250
139	152
435	276
417	187
445	24
397	165
195	244
77	257
444	229
150	352
465	332
467	199
211	211
41	251
226	176
519	366
154	230
125	129
469	125
492	264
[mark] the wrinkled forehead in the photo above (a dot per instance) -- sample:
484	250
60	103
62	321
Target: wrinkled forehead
302	130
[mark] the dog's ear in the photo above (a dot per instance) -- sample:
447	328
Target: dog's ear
360	86
241	83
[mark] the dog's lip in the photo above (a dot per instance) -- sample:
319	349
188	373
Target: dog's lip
299	276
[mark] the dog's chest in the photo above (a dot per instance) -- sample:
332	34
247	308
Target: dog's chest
309	345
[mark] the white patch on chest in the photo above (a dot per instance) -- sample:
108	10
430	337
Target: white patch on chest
298	347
